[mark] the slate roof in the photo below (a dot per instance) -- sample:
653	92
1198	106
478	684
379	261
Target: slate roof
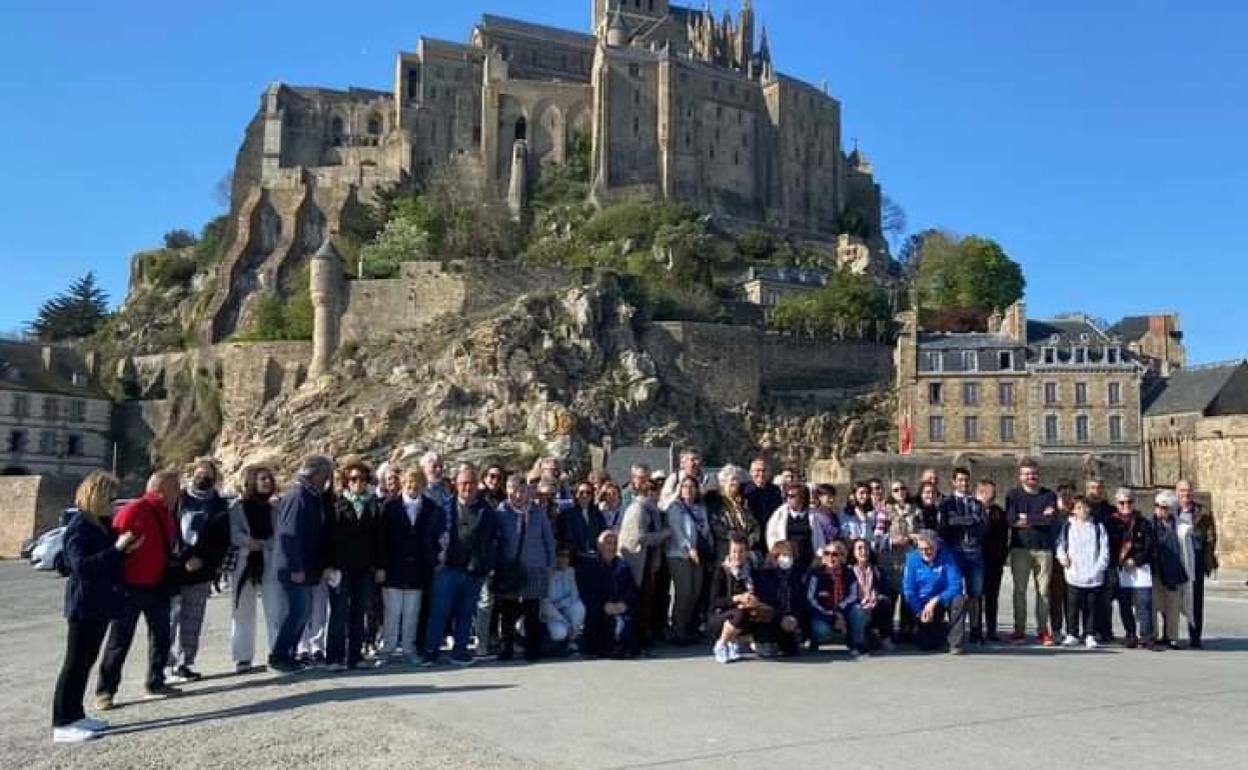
1131	328
1068	330
966	341
529	29
1191	390
792	275
22	369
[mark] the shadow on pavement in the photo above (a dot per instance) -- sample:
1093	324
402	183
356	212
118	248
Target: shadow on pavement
287	702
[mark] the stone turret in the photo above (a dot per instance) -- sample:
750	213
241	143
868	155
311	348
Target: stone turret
518	190
617	33
325	270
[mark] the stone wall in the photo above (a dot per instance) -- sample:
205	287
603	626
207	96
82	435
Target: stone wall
1220	459
427	290
30	505
733	365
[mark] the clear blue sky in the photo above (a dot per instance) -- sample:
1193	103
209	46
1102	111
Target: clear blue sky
1102	143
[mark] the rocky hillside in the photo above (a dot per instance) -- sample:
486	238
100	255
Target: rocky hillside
547	373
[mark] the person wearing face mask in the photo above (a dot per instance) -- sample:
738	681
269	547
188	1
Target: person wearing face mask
204	540
254	578
735	608
782	587
832	594
793	523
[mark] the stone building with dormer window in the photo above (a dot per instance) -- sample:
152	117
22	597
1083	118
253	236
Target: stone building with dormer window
54	418
1039	388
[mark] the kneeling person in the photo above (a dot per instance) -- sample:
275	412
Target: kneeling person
609	592
933	587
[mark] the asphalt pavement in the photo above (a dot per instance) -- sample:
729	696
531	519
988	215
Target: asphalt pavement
1000	707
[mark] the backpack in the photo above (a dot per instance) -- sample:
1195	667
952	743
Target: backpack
1064	538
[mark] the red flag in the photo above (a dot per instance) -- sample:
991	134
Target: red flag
906	434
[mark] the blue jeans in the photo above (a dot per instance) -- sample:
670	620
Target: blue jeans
855	622
298	607
972	568
454	598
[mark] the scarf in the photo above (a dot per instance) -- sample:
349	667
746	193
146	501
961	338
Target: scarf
866	581
259	515
359	501
735	513
838	586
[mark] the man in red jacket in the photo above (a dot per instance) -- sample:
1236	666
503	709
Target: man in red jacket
150	519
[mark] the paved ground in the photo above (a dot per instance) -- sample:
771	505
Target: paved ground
1018	708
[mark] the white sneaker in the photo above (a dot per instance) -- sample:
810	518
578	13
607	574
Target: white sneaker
73	734
734	652
94	725
1090	642
721	652
1070	641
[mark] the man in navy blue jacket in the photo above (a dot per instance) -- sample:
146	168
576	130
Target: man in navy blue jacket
297	556
933	589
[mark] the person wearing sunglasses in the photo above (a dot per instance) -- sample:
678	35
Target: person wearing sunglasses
1132	544
794	523
353	538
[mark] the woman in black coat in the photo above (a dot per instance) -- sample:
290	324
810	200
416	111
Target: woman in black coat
93	596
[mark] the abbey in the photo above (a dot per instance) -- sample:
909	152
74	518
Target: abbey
674	103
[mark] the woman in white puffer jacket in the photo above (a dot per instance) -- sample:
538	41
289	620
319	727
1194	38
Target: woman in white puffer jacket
1083	552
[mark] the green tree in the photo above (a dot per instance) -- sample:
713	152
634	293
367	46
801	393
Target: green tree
180	239
963	273
77	312
851	306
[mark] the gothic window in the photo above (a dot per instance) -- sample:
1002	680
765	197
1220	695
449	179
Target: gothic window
522	129
337	131
374	125
413	83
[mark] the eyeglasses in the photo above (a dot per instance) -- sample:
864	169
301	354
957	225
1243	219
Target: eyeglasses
355	479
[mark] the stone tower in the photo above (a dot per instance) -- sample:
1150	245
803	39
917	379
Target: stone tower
326	287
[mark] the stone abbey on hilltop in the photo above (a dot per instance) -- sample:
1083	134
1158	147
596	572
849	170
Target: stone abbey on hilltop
675	104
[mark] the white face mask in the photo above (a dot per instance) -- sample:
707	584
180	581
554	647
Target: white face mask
784	562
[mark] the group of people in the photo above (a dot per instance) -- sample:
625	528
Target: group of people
411	564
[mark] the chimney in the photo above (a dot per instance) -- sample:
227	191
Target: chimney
1014	322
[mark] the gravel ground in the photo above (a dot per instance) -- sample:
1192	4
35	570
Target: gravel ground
1020	708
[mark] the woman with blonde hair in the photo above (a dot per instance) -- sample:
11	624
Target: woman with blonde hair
254	575
94	596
